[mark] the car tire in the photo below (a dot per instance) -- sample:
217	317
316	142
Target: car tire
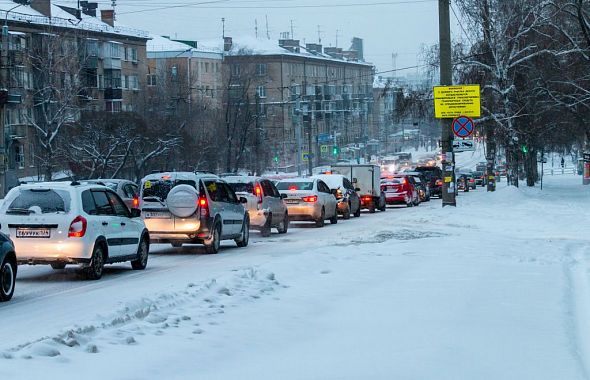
245	238
372	208
58	266
334	219
94	270
357	213
265	231
347	212
322	219
212	247
7	279
143	251
284	225
176	245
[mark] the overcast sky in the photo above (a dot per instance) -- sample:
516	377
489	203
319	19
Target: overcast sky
395	26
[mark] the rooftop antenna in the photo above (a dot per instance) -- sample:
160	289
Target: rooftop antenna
256	28
394	62
223	27
292	30
337	35
267	32
319	35
114	5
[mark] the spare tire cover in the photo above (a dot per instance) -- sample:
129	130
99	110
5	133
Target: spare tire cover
182	201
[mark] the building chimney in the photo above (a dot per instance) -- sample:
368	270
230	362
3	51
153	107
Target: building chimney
42	6
227	43
289	44
89	8
314	48
108	16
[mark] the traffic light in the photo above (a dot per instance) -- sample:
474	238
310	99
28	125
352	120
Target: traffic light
525	149
276	158
335	150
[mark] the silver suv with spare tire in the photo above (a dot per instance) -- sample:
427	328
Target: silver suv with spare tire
193	208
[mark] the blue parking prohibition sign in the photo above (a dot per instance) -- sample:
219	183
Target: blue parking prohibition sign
463	126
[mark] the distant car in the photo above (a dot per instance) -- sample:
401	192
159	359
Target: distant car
309	199
433	175
265	204
127	190
348	199
7	268
463	182
186	207
421	184
479	177
400	189
59	223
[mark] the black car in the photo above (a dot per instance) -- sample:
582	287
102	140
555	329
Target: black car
463	182
7	268
433	175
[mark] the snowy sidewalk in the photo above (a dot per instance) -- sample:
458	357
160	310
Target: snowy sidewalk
495	289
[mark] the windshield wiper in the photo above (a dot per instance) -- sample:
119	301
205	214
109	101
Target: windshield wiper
19	211
154	198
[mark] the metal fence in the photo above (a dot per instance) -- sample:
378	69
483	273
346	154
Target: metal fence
559	171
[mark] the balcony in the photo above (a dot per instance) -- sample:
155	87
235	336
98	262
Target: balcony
113	93
112	63
90	63
16	131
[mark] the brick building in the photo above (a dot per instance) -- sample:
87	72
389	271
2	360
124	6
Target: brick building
102	64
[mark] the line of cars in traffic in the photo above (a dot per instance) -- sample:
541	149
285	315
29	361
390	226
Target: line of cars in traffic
97	222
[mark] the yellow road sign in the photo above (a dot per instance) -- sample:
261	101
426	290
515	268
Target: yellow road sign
324	149
454	101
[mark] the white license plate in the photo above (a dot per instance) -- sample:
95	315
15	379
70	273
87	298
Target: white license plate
157	215
33	233
292	201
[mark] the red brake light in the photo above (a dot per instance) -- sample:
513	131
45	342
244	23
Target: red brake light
293	188
78	227
258	191
310	199
135	202
203	207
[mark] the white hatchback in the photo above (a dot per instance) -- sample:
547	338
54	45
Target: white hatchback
59	223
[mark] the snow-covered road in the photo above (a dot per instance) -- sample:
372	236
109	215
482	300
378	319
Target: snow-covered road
495	289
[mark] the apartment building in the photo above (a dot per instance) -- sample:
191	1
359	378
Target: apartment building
183	73
75	52
309	98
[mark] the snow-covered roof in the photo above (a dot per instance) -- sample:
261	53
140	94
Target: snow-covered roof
160	46
249	45
60	18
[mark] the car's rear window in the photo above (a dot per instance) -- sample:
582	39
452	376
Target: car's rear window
243	187
295	185
34	201
157	190
392	181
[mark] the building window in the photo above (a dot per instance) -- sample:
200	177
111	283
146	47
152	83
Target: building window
19	156
133	82
31	154
261	91
152	80
114	106
115	50
112	78
261	69
235	71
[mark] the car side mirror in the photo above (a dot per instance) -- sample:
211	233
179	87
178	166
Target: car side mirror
135	213
283	196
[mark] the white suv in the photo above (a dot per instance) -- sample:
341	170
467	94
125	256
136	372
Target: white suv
61	223
193	208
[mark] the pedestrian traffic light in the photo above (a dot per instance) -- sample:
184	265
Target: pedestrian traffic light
276	158
525	149
335	150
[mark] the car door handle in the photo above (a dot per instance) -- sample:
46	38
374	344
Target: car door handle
123	223
105	223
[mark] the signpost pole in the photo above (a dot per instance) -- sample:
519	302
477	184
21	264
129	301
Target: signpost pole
446	79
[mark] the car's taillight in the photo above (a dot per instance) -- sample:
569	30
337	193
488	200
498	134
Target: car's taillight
367	198
258	191
438	182
310	199
78	227
135	202
203	207
339	194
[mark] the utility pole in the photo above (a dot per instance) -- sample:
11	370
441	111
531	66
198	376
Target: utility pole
489	131
297	118
446	79
309	144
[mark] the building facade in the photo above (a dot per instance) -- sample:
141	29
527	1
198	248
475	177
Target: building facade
57	62
312	102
